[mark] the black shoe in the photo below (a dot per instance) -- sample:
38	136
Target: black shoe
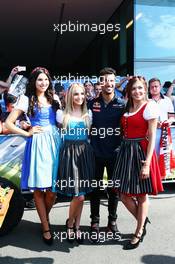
48	241
130	245
112	227
78	235
94	233
70	232
30	204
144	228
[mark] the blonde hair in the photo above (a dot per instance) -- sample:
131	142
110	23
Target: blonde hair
70	107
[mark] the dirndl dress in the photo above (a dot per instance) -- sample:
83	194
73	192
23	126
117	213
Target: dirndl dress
41	155
76	163
130	156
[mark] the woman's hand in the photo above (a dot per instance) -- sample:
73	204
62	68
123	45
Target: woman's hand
35	130
14	71
145	171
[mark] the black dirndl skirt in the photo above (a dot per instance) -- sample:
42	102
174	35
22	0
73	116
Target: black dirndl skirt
76	168
128	167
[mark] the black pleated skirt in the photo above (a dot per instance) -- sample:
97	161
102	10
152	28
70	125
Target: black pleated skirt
128	167
76	168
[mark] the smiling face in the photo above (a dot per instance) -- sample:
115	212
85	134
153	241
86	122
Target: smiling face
78	96
138	91
42	83
108	84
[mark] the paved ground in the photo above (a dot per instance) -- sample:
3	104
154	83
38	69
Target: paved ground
24	244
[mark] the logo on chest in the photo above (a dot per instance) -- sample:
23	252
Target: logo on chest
96	107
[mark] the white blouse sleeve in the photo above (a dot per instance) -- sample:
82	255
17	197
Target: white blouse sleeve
22	103
151	110
59	116
90	116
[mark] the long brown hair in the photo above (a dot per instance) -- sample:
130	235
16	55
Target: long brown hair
129	86
31	91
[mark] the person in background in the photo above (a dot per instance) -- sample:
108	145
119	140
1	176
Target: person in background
60	93
89	87
165	87
4	86
97	89
10	101
170	92
164	104
120	86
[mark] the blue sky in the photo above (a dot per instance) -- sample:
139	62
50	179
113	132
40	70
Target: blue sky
155	32
155	39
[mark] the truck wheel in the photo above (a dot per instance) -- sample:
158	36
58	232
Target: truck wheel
16	208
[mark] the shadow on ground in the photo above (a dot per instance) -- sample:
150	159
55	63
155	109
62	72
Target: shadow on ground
161	259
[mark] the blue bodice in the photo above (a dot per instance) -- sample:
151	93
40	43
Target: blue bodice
76	130
44	116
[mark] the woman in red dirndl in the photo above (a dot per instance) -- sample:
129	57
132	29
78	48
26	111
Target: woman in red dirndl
136	168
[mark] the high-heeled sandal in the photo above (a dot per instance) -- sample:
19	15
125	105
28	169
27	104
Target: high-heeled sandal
130	245
48	241
144	227
70	232
78	235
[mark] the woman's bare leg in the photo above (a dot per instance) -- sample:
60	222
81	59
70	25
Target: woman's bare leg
75	210
142	212
39	197
50	198
131	204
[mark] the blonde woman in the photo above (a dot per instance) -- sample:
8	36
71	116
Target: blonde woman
76	165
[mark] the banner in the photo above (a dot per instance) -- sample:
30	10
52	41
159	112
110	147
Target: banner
166	155
11	155
12	149
18	85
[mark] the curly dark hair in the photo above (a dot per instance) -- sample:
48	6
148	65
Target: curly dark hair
31	91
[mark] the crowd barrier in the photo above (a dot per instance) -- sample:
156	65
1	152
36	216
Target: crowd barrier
12	149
